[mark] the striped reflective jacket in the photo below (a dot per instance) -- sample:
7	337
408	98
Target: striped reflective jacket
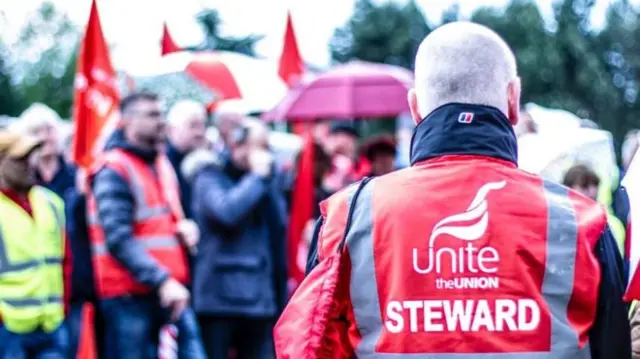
463	255
489	270
156	214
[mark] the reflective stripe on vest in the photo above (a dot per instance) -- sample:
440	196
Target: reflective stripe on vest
149	242
32	302
557	285
141	214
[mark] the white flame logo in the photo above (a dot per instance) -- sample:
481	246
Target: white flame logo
476	212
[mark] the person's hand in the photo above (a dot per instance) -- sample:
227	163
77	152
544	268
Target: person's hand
175	296
260	162
189	233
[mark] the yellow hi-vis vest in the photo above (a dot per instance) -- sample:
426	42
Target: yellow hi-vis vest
31	273
605	197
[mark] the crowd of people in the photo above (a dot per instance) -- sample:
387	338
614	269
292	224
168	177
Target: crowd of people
222	280
463	254
174	226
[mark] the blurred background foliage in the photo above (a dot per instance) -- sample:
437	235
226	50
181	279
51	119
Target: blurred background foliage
41	67
564	62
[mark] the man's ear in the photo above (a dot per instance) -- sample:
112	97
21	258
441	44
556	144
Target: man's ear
513	101
412	98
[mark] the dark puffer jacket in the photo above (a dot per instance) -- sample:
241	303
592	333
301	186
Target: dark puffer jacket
115	210
240	269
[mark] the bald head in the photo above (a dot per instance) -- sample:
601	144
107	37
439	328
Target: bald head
465	63
187	122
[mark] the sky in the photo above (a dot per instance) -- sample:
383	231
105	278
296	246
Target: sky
133	27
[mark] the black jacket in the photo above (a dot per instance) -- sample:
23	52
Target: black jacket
240	269
176	157
82	282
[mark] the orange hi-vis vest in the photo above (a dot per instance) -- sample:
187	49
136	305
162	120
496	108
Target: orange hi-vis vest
157	211
498	265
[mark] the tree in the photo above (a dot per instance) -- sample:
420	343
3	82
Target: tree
210	21
522	26
574	67
46	51
617	43
386	33
582	64
564	63
452	14
10	101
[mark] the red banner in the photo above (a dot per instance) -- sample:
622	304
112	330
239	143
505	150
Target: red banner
96	96
290	69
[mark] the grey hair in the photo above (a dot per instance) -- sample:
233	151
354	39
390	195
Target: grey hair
466	63
183	110
233	109
219	117
35	118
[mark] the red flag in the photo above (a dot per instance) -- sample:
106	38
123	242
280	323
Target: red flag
291	66
95	107
168	45
301	211
87	342
96	96
631	183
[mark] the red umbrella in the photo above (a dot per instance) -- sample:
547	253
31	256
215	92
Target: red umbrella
230	75
355	89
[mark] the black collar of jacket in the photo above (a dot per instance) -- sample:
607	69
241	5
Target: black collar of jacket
174	154
118	140
463	129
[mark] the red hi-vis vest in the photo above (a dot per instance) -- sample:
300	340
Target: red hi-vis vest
464	257
157	211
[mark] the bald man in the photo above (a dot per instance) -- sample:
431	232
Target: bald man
239	274
461	255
